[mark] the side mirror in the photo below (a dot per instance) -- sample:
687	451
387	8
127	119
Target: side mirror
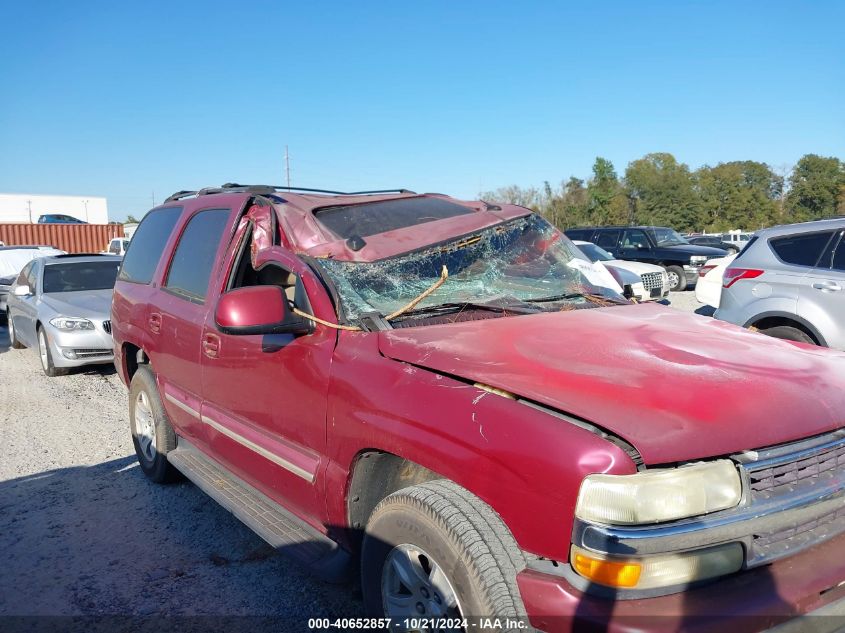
22	291
258	310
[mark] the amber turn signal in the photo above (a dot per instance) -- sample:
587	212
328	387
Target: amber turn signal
605	572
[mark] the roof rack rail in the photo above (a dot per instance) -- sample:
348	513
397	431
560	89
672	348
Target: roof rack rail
180	194
233	187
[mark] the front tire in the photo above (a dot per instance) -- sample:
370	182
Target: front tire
677	278
47	356
437	551
13	339
152	434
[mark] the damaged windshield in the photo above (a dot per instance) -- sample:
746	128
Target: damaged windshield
518	262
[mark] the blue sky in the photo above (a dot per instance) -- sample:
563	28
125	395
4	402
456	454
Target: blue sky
126	99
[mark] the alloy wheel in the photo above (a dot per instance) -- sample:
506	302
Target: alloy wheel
413	585
42	350
145	427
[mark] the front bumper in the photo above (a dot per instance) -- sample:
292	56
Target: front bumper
808	584
80	347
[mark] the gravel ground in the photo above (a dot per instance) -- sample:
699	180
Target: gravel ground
82	531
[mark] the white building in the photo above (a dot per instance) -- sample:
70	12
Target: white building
24	208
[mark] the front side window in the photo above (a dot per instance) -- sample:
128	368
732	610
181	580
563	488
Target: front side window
193	260
80	276
667	237
149	241
635	238
23	277
804	249
525	264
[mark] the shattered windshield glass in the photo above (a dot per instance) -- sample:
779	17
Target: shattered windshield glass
519	261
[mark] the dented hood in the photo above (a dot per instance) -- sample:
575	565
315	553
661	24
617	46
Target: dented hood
677	386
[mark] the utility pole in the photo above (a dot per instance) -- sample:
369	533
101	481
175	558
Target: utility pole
154	197
287	166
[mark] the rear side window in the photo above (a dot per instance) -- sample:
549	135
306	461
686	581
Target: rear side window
607	239
140	262
804	249
371	218
582	235
194	257
839	257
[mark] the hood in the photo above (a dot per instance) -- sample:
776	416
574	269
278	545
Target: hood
638	268
95	304
677	386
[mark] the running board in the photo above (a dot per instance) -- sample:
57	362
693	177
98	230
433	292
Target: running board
286	532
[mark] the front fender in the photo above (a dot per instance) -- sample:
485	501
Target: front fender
526	464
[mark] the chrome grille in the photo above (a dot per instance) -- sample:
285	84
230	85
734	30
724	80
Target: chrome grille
107	326
813	471
652	280
788	476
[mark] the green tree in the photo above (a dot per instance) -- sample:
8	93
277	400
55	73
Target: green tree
131	219
607	200
663	193
528	197
739	194
816	188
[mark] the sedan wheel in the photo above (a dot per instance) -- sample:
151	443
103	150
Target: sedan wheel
13	339
46	357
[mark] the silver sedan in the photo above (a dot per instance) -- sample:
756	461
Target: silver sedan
60	306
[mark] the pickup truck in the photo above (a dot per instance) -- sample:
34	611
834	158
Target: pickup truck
651	245
440	396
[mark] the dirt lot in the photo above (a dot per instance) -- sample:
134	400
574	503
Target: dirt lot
83	532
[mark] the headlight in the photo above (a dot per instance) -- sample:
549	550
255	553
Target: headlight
653	496
653	572
698	259
69	324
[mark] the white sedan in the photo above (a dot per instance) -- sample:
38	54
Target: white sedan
708	288
647	282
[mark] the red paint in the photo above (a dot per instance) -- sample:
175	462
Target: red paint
676	386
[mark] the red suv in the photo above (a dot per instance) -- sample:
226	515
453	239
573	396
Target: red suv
444	393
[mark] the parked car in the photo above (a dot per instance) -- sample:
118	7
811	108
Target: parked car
434	390
789	282
59	218
652	245
715	241
59	306
647	282
117	246
12	261
737	238
708	288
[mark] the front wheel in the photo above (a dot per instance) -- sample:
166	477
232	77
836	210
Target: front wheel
677	278
47	356
436	551
13	339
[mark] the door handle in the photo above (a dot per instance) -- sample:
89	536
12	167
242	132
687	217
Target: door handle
154	322
211	345
827	286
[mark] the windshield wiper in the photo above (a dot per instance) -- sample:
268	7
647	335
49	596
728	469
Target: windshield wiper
457	306
589	296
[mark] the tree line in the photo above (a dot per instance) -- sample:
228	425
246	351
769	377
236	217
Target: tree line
658	190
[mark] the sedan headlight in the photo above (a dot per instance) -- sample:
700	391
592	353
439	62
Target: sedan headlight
653	496
69	324
698	259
